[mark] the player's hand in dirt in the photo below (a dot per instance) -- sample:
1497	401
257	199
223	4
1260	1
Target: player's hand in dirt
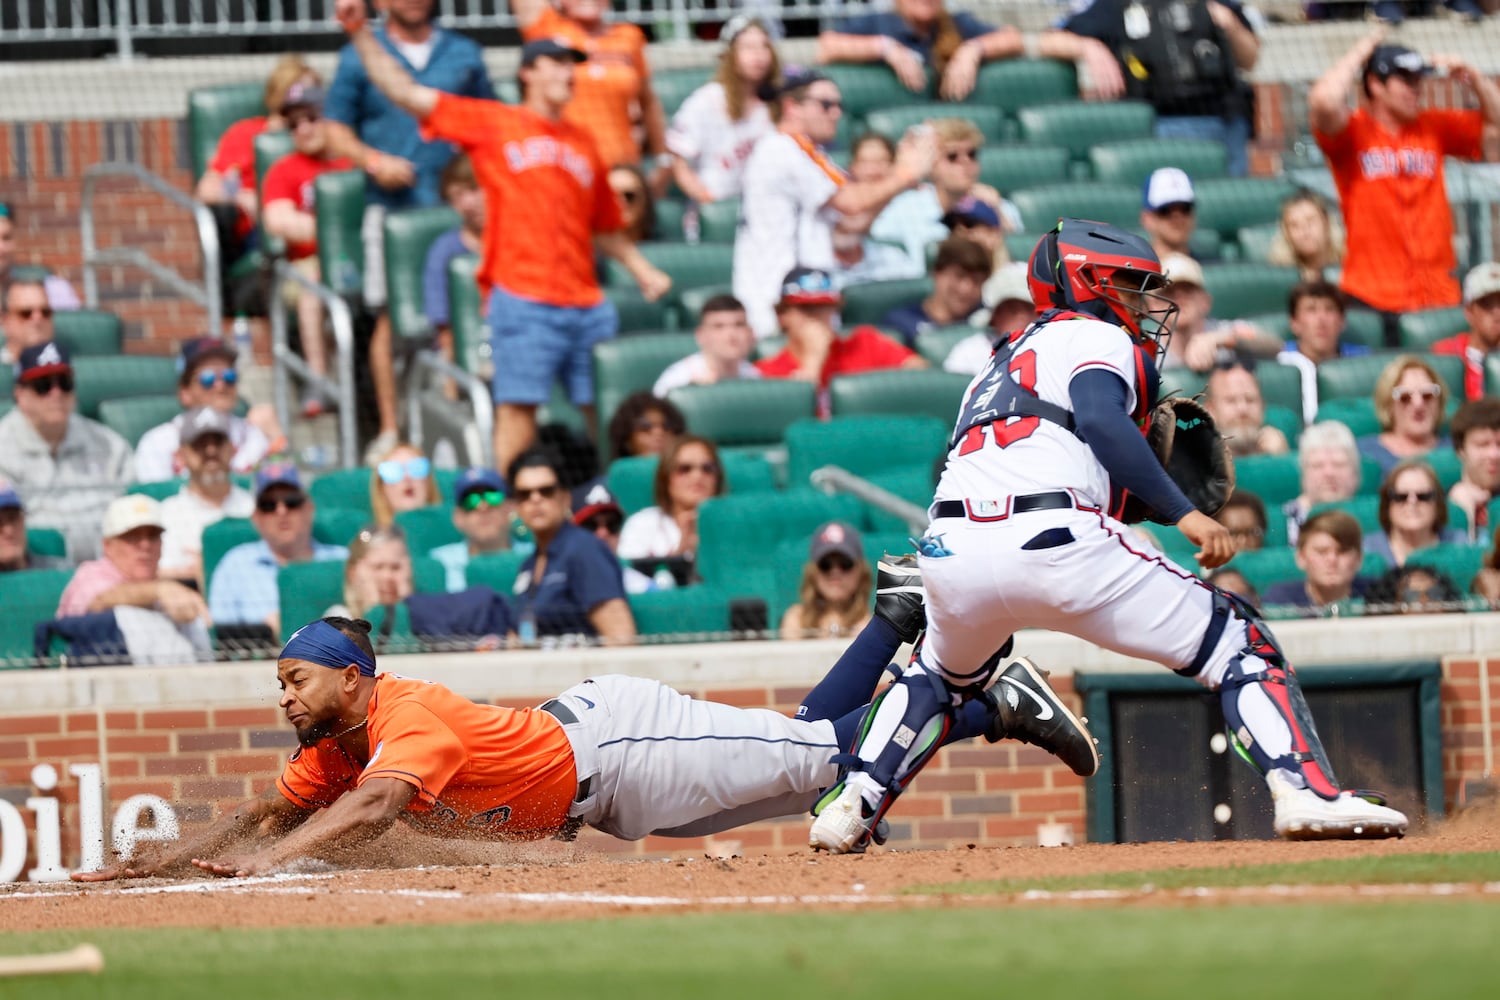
122	870
351	14
232	867
1215	544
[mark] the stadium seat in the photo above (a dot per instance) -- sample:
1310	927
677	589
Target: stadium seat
1041	207
1421	329
408	236
632	479
158	490
125	375
912	483
342	489
210	112
689	265
630	364
915	392
219	538
1344	377
133	417
1255	241
736	533
1274	478
1364	327
719	221
1355	412
1080	125
1183	382
306	591
1448	466
1365	507
1242	290
270	147
1461	563
894	122
1285	421
88	331
745	411
340	211
1281	385
936	343
1131	161
669	214
868	87
1012	84
868	303
636	314
465	313
863	445
673	86
1229	204
496	570
1013	168
29	596
428	527
46	542
681	611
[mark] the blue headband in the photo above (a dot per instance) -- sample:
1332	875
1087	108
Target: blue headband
326	646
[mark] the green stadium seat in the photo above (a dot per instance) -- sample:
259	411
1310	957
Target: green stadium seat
270	147
428	575
736	533
673	86
1274	478
868	87
719	221
869	302
29	596
894	122
1365	507
1020	245
496	570
133	417
408	236
631	364
428	527
1183	382
1255	241
1461	563
912	483
1041	207
1355	412
1421	329
633	479
914	392
342	489
684	612
1344	377
1080	125
669	215
1229	204
636	314
88	331
1012	168
340	211
1012	84
1281	385
1364	327
689	265
119	377
1285	421
1279	565
159	490
936	343
745	411
466	313
305	591
210	112
863	445
1241	290
46	542
1448	466
1131	161
219	538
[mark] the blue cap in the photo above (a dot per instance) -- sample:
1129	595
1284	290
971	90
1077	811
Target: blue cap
9	498
970	211
277	474
477	478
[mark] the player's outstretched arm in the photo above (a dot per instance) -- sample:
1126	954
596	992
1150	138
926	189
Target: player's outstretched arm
385	73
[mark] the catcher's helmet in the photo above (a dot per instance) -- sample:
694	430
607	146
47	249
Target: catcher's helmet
1106	272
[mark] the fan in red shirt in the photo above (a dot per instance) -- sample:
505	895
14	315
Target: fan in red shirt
1482	310
817	352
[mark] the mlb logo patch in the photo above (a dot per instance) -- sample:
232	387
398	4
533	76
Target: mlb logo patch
986	508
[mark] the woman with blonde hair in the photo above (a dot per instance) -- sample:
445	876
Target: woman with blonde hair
833	598
378	571
1410	401
401	481
1309	238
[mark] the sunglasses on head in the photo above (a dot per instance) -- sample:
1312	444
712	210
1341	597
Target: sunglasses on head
45	312
1412	393
43	385
1418	496
291	501
610	523
707	468
545	492
482	498
208	379
393	471
834	561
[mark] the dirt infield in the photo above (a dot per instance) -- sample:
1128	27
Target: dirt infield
558	881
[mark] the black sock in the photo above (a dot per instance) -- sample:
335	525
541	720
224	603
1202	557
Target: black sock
850	683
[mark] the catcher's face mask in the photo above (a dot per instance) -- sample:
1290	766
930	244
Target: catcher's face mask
1135	296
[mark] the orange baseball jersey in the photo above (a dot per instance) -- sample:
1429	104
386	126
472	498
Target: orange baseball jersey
1396	208
479	770
606	89
546	194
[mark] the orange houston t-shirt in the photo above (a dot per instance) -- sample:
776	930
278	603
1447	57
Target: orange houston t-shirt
606	89
479	770
546	194
1395	207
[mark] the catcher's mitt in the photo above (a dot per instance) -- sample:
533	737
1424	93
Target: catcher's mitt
1193	452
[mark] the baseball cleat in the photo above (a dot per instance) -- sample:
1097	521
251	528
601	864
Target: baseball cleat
841	826
1302	814
1027	709
899	597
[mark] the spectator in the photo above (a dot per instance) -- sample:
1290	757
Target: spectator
1308	239
914	218
637	207
815	352
958	276
206	498
1315	314
15	554
1482	310
1328	462
793	193
833	598
378	572
243	589
462	192
1169	212
27	320
1329	556
1012	311
1413	514
718	125
208	377
921	36
1192	74
1410	402
1233	398
290	213
859	258
1200	341
1387	160
688	473
1486	583
977	221
1476	439
596	511
644	425
59	293
1413	590
1235	582
66	467
482	515
725	341
403	166
401	481
544	305
572	583
1244	514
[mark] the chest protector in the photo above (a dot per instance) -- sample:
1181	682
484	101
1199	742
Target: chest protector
1175	58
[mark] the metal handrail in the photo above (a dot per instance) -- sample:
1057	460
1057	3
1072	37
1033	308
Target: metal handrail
286	362
833	479
209	294
473	387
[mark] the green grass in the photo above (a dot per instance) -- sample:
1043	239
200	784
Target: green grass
1370	950
1475	867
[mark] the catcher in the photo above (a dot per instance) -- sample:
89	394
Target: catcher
1047	459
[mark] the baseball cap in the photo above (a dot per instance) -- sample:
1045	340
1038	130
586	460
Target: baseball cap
50	358
594	499
198	421
1481	281
131	511
796	77
303	94
837	536
1180	269
277	474
552	48
9	498
1167	186
970	211
477	479
1390	59
1010	283
807	286
201	350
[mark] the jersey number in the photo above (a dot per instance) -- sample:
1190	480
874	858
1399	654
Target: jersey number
1008	431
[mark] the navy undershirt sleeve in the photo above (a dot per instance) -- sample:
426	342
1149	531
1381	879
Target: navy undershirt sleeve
1104	424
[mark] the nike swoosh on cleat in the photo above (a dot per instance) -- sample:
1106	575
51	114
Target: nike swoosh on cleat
1046	712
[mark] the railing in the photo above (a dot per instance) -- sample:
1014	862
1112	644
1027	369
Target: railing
285	362
208	293
832	479
481	450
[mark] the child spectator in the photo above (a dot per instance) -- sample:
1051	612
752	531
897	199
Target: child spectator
461	190
1329	555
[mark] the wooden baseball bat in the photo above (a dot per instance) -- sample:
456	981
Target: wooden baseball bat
84	958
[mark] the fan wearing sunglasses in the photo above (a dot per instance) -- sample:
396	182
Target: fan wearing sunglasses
1411	400
26	318
66	467
207	376
1413	514
833	598
482	514
401	481
688	473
